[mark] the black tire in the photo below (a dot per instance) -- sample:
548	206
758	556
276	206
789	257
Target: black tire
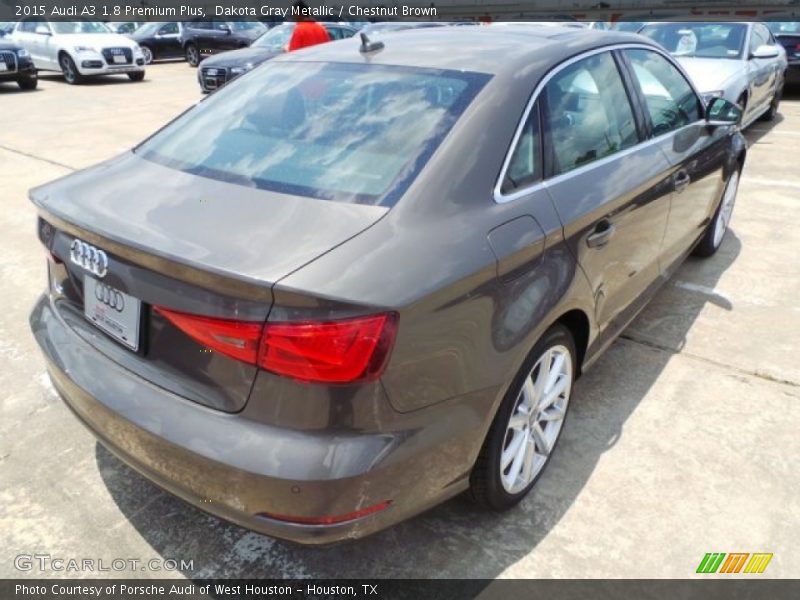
772	111
192	55
71	74
136	76
709	244
486	487
28	83
148	53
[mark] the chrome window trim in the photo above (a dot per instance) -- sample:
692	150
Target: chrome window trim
501	198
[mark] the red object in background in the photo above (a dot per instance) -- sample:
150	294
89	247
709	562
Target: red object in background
308	33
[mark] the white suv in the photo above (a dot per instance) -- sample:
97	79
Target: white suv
79	49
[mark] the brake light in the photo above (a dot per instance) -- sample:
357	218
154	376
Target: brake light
237	339
344	351
329	352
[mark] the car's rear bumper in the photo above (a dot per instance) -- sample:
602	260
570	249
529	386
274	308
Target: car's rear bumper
235	468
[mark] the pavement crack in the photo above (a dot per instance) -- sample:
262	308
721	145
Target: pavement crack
757	374
34	157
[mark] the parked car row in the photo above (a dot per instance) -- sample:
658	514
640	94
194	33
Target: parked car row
743	62
218	70
78	49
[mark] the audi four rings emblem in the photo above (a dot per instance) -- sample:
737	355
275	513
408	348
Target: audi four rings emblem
90	258
109	296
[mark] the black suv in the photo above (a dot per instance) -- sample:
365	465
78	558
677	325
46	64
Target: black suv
209	37
16	65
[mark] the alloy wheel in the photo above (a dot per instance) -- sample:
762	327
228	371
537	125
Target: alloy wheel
191	56
537	418
726	208
68	68
147	54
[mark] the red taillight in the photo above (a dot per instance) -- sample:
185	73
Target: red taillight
343	351
330	520
329	352
237	339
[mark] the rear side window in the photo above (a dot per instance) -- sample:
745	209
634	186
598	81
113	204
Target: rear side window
525	166
335	131
587	113
671	101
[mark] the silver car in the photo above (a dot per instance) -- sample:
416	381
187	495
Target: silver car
740	62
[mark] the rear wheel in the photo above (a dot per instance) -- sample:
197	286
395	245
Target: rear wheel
28	83
136	76
147	53
70	71
528	424
715	232
192	55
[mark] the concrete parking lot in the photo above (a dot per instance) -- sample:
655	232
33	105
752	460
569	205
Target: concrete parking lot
682	440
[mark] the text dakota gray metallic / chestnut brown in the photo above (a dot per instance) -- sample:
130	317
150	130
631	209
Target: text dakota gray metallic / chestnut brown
362	279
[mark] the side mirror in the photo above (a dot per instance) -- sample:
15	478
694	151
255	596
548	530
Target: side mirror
43	30
720	112
225	29
765	51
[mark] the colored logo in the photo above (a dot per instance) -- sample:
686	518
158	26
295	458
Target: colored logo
734	562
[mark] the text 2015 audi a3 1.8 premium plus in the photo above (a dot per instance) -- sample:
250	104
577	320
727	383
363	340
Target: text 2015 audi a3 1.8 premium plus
364	277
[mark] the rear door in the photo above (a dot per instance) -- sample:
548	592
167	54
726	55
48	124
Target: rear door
611	190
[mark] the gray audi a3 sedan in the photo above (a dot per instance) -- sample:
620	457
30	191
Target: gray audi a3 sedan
364	277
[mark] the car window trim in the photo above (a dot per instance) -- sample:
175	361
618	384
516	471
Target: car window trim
501	198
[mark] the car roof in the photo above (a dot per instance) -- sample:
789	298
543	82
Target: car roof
481	49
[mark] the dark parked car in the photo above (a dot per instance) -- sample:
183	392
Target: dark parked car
201	38
159	39
359	281
216	71
16	65
787	34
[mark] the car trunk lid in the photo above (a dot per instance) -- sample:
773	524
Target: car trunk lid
185	243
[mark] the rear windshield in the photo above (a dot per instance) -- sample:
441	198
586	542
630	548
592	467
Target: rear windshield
335	131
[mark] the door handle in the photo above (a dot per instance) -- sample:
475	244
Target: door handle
681	180
601	235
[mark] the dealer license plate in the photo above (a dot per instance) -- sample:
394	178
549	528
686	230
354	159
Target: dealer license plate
113	311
